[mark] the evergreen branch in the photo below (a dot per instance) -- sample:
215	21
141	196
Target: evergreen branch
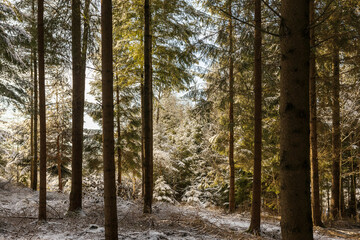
272	9
247	23
324	12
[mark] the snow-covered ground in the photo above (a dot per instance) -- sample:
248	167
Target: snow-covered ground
19	206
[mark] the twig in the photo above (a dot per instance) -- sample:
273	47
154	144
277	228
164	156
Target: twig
55	211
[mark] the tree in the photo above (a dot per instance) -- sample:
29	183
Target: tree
256	199
148	112
111	223
78	110
34	163
336	135
295	201
315	197
42	111
231	115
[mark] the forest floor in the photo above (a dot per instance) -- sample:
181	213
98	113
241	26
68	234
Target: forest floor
19	206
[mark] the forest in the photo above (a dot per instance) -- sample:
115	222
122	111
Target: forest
179	119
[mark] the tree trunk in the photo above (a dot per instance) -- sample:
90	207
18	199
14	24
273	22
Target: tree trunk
77	111
42	195
296	222
35	112
352	204
256	200
32	165
142	138
111	223
118	148
148	111
231	116
336	142
315	200
59	162
85	40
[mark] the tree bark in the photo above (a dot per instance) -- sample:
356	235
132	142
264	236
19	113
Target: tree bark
35	110
148	112
256	200
110	209
315	197
32	165
142	138
77	111
296	222
42	195
336	141
231	115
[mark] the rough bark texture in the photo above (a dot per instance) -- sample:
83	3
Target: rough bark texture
118	148
111	222
336	142
77	111
231	116
315	197
148	112
35	112
256	200
296	221
42	195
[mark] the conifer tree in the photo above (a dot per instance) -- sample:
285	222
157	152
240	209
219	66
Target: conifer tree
111	222
256	199
295	201
148	111
42	111
315	197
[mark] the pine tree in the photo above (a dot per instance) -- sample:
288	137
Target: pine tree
315	197
78	110
34	163
295	201
148	112
111	223
42	111
256	200
231	114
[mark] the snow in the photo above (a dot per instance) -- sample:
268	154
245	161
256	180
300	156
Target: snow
18	220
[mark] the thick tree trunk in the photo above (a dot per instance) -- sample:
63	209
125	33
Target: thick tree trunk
35	111
111	222
118	148
336	142
148	111
42	195
256	200
231	116
296	222
315	200
77	111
